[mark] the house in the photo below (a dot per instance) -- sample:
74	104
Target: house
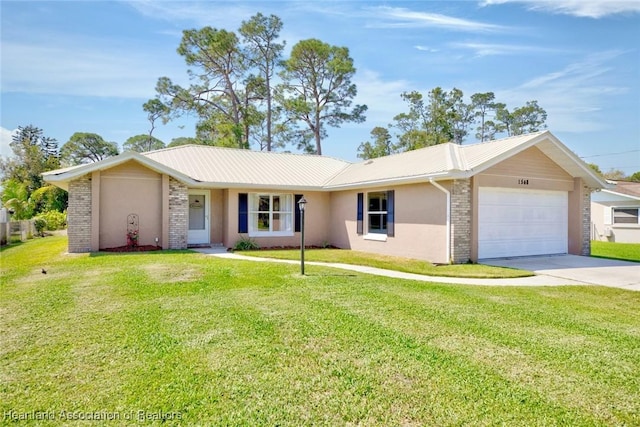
518	196
615	213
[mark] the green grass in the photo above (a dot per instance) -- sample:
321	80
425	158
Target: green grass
623	251
406	265
223	342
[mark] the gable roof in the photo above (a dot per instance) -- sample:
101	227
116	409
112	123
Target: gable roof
628	188
217	167
452	161
619	191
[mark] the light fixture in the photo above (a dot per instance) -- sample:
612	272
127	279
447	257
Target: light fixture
301	205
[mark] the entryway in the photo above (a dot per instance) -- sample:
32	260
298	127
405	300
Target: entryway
199	205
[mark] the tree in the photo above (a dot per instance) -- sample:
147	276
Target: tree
317	90
48	198
183	140
412	125
460	114
85	147
263	53
34	154
635	177
614	175
15	196
380	147
595	168
483	104
155	110
529	118
444	118
217	98
142	144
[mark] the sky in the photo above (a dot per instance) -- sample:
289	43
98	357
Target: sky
88	66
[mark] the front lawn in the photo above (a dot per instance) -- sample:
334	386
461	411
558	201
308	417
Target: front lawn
407	265
198	340
623	251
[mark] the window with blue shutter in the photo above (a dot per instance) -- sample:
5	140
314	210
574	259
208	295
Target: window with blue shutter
390	213
243	213
359	218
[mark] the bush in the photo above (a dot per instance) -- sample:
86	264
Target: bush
245	244
40	224
54	220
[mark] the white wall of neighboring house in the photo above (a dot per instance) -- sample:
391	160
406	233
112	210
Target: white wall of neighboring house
606	214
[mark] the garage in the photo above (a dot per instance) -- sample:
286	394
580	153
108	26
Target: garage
521	222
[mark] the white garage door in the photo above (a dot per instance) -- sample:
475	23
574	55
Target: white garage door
515	222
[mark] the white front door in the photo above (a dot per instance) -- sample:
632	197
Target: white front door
199	217
519	222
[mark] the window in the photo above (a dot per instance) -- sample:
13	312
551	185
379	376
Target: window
380	215
377	212
625	215
271	214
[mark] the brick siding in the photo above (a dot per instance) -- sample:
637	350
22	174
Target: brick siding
586	222
79	215
178	214
461	221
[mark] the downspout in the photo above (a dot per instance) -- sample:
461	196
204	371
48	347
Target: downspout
448	193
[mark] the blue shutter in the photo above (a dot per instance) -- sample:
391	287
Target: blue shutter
359	221
297	197
390	213
243	213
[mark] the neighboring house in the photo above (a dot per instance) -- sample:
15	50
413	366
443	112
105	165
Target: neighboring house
615	213
518	196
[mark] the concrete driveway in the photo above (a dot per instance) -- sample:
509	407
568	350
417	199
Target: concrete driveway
596	271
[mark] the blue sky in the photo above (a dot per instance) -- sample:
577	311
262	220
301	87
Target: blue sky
88	66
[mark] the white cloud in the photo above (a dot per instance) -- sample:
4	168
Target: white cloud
493	49
573	96
87	67
398	17
6	136
581	8
426	49
203	13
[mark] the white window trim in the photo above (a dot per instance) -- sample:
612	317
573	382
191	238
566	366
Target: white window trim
381	237
378	237
615	224
251	212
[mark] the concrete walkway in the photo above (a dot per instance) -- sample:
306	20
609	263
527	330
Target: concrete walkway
584	269
537	280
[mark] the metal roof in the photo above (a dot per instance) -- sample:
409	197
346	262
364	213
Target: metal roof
217	167
228	167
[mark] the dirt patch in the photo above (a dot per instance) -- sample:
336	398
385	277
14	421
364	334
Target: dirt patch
171	274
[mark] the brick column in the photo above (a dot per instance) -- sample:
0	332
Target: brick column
461	221
178	214
79	215
586	222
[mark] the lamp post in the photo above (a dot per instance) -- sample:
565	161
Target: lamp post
301	204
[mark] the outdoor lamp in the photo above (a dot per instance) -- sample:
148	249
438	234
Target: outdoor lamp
301	205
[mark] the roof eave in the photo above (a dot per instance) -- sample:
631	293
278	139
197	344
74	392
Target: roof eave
65	176
414	179
591	178
615	193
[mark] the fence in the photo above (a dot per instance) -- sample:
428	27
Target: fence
17	231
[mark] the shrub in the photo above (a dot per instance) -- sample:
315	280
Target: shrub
245	244
54	220
40	224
